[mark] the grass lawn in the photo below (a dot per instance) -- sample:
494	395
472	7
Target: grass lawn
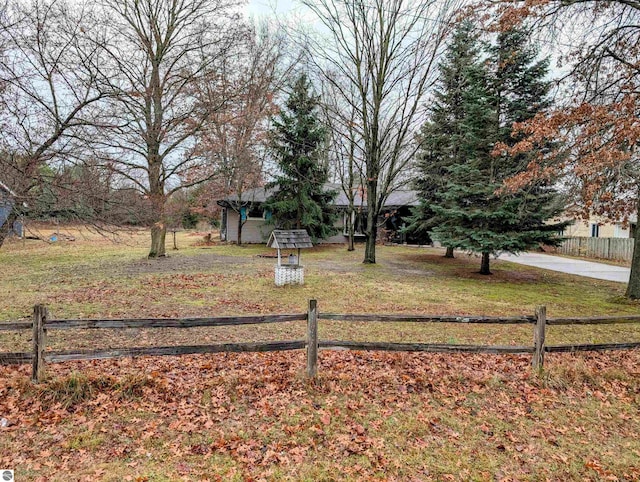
384	416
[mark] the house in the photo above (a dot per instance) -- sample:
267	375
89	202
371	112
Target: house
600	238
598	227
7	199
257	227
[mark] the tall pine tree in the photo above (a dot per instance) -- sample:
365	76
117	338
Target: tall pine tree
300	200
471	212
452	136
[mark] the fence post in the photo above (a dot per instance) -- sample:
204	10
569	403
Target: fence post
40	316
539	333
312	339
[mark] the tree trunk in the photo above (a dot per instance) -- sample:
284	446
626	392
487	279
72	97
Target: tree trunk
372	221
159	227
449	253
350	181
633	288
6	228
484	266
350	229
372	234
158	236
240	224
156	168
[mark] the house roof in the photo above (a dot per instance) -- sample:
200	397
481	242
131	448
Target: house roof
399	197
289	238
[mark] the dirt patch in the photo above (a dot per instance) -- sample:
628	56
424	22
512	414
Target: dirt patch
401	268
338	266
190	263
498	276
467	267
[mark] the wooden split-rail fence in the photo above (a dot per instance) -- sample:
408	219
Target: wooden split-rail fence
42	323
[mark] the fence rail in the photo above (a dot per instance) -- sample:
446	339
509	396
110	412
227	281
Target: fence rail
42	322
172	322
17	358
16	325
510	320
605	248
426	347
598	347
601	320
59	356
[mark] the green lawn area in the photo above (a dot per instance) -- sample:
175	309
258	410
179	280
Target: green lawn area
382	416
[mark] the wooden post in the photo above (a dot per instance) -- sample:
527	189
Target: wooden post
539	333
40	316
312	339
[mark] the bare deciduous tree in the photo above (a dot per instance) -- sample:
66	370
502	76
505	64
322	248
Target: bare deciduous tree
48	95
386	51
345	155
159	52
232	144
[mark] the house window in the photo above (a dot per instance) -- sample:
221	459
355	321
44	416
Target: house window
595	230
256	212
253	212
619	231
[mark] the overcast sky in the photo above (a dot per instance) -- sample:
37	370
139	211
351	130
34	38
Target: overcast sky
258	8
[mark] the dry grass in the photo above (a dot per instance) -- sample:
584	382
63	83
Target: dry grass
93	277
370	416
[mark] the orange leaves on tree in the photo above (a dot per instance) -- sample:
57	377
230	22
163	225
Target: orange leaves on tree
592	147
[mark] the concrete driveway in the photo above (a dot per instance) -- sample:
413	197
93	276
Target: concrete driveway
571	266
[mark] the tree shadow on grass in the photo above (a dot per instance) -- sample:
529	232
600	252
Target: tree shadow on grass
465	266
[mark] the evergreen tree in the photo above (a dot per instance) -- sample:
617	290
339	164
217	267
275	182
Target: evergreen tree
448	139
300	200
471	212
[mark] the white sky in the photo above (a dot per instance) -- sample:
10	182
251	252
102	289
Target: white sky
264	8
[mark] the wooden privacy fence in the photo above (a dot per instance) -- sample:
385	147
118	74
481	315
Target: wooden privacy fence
604	248
42	323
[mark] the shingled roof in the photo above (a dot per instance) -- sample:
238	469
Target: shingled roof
399	197
289	238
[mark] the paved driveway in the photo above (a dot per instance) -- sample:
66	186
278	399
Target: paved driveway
571	266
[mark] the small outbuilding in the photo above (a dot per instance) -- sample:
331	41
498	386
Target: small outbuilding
289	270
